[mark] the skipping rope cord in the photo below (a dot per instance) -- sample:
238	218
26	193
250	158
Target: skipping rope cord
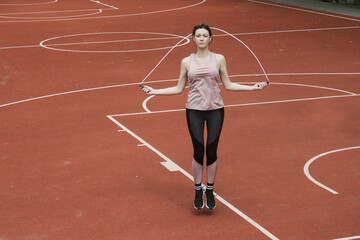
162	59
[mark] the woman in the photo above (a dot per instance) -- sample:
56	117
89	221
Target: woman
204	104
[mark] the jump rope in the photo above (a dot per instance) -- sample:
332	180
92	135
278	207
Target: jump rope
221	30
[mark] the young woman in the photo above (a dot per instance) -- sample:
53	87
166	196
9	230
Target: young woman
204	104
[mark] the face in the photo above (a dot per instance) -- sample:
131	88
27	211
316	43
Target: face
202	38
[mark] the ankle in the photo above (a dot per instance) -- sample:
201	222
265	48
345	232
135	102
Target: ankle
210	187
198	186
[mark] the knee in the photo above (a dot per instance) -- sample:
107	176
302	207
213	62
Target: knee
199	151
211	157
199	155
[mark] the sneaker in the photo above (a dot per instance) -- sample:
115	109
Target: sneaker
198	202
210	199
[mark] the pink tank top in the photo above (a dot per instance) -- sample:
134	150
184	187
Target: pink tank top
204	93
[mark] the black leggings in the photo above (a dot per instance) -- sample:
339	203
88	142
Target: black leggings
214	121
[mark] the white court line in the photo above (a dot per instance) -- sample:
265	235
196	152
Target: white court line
23	4
107	87
174	167
240	105
304	10
312	86
3	15
308	163
111	16
215	35
58	11
144	104
42	43
93	42
107	5
292	100
98	11
290	31
348	238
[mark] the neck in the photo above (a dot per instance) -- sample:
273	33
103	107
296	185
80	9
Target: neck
203	52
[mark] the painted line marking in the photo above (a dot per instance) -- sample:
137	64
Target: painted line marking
71	16
308	163
144	104
104	4
22	4
112	16
290	31
304	10
348	238
313	86
170	166
292	100
174	167
168	38
42	43
240	105
132	84
93	42
58	11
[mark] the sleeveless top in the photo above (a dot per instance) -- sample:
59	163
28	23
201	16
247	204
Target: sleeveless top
204	93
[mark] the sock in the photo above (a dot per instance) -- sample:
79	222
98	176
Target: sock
210	187
198	187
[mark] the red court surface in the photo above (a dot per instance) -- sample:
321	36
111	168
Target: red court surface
86	155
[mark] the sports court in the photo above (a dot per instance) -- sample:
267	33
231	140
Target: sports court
85	154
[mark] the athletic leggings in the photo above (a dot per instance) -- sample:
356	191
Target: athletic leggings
196	121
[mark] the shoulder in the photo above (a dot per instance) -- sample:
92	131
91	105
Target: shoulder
219	57
185	61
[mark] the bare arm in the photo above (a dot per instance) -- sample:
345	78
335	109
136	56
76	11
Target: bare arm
231	86
178	89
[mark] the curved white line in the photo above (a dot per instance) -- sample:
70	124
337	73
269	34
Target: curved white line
286	84
348	238
314	86
249	33
57	11
95	42
114	86
23	4
98	11
113	41
104	4
42	43
113	16
308	163
145	102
